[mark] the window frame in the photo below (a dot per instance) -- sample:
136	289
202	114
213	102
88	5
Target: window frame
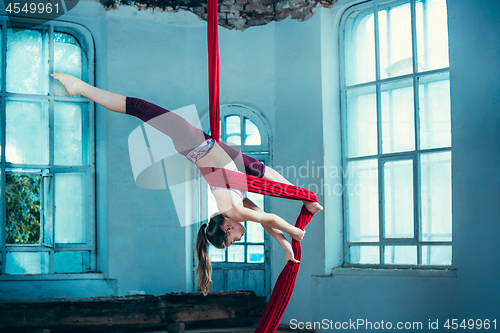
260	152
374	7
86	41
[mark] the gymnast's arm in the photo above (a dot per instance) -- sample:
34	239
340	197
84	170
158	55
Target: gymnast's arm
240	213
277	234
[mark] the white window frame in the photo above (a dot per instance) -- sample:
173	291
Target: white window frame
260	152
373	6
86	41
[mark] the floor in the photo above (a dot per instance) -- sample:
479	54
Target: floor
234	330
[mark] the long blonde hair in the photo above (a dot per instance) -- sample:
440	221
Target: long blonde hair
217	237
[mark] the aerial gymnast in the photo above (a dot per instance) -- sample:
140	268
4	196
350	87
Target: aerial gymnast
226	227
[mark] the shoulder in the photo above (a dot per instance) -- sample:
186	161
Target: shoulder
227	200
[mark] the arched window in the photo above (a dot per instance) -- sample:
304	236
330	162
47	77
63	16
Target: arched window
243	265
396	134
47	156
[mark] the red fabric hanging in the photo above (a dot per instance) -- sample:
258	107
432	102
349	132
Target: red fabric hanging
213	69
283	289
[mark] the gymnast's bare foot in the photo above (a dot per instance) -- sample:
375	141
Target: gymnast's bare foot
313	207
298	235
69	82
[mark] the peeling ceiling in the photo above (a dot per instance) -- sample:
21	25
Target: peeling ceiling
233	14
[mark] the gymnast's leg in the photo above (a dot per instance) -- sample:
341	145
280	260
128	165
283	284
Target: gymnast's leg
108	99
274	175
184	136
255	168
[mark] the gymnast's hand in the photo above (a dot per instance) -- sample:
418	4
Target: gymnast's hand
290	257
298	234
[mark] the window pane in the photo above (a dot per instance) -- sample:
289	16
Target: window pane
22	200
252	135
398	129
361	122
2	213
243	238
218	280
359	53
255	253
211	205
216	254
71	262
69	219
68	134
2	126
236	253
27	62
402	255
362	201
233	130
68	58
398	199
435	121
1	59
432	34
48	218
436	196
436	255
27	263
395	41
257	199
256	281
364	255
255	233
27	132
235	279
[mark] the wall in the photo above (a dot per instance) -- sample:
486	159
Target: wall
90	17
240	14
162	58
298	140
471	290
287	71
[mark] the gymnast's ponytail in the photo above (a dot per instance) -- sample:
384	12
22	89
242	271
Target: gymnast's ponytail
208	231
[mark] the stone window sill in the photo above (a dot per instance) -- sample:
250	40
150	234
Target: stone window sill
52	277
404	272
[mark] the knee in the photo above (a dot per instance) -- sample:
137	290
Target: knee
270	173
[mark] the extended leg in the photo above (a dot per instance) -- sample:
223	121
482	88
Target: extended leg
108	99
274	175
184	136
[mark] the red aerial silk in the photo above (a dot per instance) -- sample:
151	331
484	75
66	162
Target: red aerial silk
283	289
213	69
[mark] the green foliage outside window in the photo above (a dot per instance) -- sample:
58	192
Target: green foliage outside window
22	201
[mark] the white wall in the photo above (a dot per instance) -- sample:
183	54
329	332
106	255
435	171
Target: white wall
298	144
472	290
288	71
165	62
162	58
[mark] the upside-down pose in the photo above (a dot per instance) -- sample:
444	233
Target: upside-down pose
224	228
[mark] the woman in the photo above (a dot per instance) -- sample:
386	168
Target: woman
224	228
